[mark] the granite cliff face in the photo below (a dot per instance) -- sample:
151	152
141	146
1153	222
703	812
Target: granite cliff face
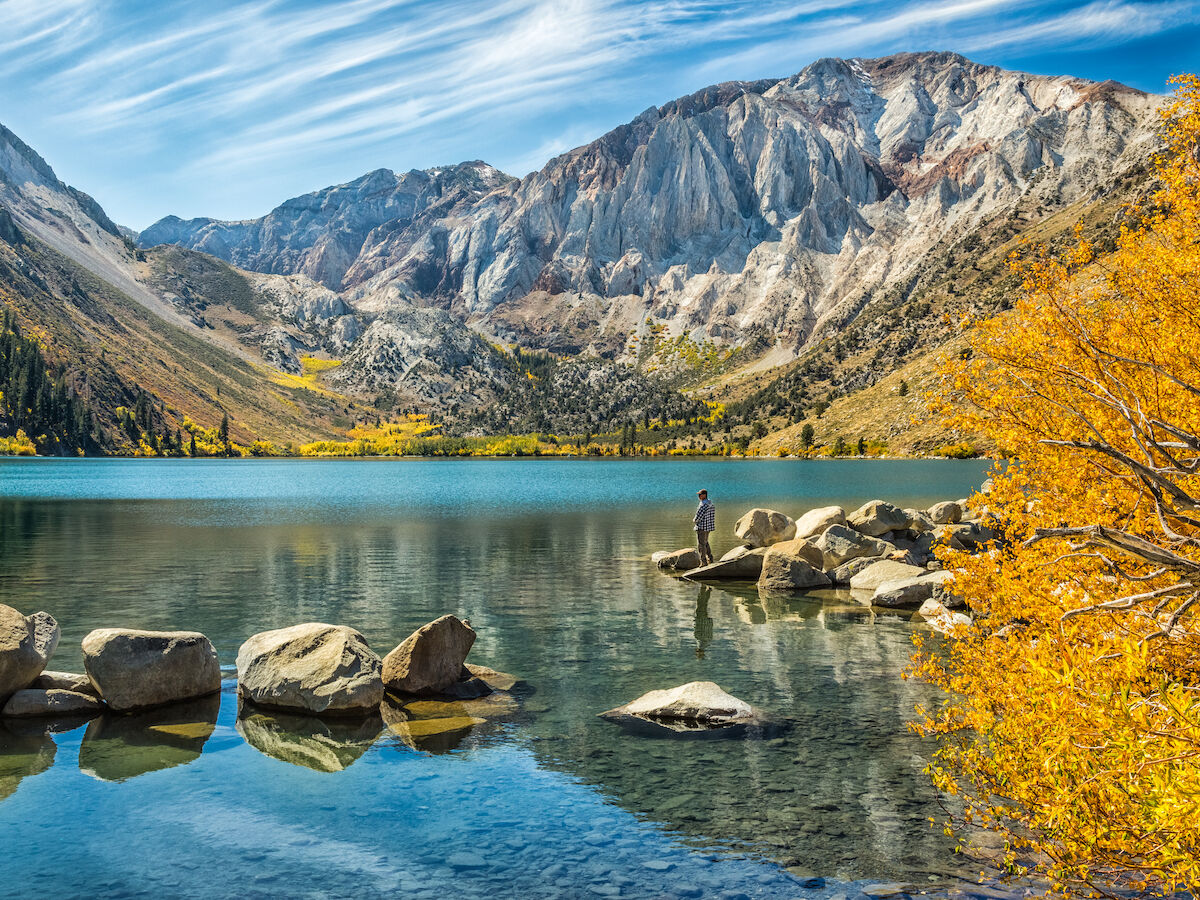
766	209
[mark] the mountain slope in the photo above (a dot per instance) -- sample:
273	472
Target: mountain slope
756	212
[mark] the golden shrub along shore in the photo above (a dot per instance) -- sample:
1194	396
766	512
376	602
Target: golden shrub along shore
1074	723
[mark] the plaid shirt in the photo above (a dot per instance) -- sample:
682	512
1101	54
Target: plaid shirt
706	516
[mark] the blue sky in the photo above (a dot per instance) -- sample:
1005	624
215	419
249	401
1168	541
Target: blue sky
226	108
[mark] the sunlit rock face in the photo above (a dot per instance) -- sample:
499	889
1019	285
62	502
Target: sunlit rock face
768	206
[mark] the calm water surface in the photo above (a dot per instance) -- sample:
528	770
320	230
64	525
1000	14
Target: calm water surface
550	561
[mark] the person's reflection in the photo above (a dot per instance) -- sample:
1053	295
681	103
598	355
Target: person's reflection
703	628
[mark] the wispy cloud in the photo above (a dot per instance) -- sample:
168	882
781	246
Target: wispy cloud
237	90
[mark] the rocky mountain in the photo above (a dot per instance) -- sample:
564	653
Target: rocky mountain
766	212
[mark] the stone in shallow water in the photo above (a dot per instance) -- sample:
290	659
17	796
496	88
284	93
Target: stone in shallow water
313	667
136	670
497	681
26	645
431	659
65	681
700	701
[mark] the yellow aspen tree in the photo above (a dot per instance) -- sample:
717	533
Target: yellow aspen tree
1072	723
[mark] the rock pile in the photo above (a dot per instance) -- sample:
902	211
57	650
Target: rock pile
887	556
133	679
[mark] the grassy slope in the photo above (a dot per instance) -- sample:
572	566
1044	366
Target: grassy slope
112	345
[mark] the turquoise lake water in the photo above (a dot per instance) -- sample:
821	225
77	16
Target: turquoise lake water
549	559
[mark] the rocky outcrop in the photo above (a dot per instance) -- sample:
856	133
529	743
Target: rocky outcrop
135	670
26	645
696	701
36	703
763	527
431	659
313	667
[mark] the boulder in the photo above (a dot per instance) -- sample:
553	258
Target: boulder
430	660
736	552
677	560
65	681
839	544
799	548
968	534
315	667
842	574
763	527
134	669
33	702
746	567
945	513
26	645
918	522
696	701
877	517
885	570
941	619
786	570
815	521
912	592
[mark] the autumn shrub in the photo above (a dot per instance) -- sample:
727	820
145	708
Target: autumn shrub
1073	719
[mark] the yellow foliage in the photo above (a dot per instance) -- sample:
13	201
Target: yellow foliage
19	445
1073	724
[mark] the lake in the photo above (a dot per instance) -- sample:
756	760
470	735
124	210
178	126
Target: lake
549	559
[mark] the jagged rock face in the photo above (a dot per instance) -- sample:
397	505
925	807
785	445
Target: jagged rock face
773	206
322	234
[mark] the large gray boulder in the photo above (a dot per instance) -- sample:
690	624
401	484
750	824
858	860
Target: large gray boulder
135	669
945	513
745	566
764	527
885	570
817	520
677	560
697	701
431	659
839	544
26	645
792	566
315	667
876	517
31	703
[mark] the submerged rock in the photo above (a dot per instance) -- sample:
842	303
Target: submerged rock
497	681
763	527
33	702
26	645
431	659
702	702
318	668
134	669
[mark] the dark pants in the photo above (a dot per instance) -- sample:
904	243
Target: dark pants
702	547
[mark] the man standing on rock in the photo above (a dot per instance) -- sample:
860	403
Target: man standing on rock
705	520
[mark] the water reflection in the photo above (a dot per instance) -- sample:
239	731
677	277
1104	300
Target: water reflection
703	627
23	752
120	747
321	744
